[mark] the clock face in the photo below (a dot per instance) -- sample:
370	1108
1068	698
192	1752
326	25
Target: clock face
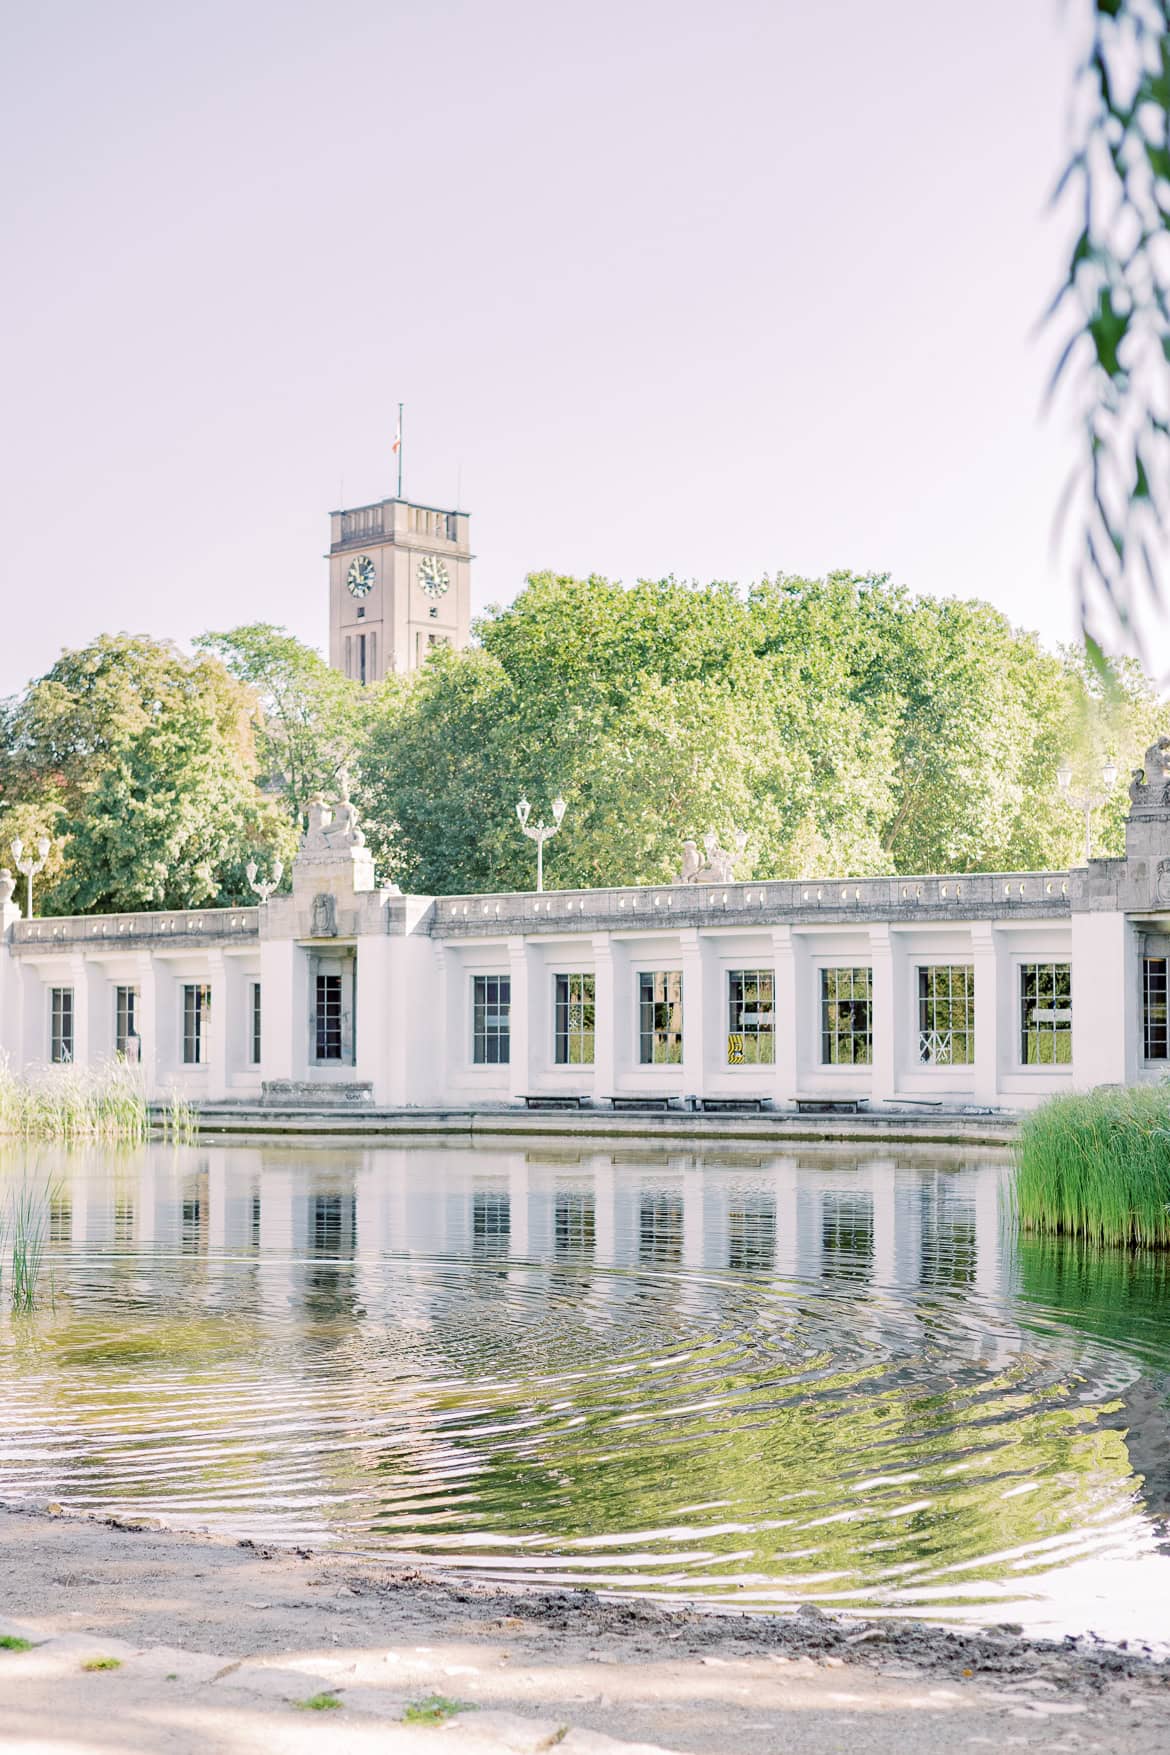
433	576
361	576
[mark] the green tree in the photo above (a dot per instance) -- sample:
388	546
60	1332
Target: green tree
148	759
312	717
847	726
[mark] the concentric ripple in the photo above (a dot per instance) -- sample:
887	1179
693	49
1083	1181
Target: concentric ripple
755	1380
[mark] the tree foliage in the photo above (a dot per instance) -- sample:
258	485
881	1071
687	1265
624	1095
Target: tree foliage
311	717
145	761
1115	307
846	726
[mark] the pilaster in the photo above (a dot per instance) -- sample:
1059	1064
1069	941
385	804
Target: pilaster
883	1015
605	1016
519	1046
218	1033
784	1016
985	957
694	1010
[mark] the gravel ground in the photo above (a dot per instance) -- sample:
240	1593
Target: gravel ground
217	1643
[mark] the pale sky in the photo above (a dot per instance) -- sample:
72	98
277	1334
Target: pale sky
666	287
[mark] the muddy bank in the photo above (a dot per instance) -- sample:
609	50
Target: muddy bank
677	1679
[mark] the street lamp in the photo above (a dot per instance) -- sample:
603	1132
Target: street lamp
1085	799
540	832
266	886
29	866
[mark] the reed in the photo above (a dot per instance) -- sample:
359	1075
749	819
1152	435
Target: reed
1096	1167
24	1224
70	1103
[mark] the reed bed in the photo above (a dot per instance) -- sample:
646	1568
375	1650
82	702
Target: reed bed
1096	1167
71	1103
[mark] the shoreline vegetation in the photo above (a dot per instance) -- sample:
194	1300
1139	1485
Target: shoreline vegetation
1095	1167
71	1104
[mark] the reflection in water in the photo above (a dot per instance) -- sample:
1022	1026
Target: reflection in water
731	1375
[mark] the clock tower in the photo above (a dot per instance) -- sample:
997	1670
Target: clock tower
399	585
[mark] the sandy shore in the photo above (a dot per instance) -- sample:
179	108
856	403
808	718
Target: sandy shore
216	1644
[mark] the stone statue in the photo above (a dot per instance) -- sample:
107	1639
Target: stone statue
332	828
717	865
7	885
324	918
1150	784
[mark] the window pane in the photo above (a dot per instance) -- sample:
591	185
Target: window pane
1046	1014
574	1020
1154	1018
255	1023
196	1014
491	1011
946	1014
60	1025
750	1017
846	1017
329	1017
660	1017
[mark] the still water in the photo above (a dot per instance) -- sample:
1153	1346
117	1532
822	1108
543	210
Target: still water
736	1375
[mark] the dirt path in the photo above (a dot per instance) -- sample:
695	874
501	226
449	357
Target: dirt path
217	1643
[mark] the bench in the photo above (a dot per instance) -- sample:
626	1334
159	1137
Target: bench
556	1100
647	1103
830	1105
918	1102
730	1105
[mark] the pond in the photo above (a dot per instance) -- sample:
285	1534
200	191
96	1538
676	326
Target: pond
743	1376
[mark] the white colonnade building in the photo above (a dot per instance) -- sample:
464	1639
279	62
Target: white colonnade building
967	991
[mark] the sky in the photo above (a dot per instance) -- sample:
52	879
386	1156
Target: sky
666	288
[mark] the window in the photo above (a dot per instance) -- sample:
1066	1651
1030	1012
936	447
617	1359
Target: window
749	1018
126	1021
574	1020
491	1222
254	1041
751	1233
946	1014
361	646
1046	1014
328	1037
846	1017
574	1223
1154	1023
491	1020
660	1017
196	1018
60	1024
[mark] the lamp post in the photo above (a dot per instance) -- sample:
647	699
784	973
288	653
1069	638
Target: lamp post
540	832
28	866
1085	799
266	886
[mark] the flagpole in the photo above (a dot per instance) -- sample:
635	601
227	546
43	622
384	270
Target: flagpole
400	450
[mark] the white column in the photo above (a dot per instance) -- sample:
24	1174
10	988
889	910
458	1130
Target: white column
519	1070
605	1019
985	958
217	1043
284	1009
76	975
1106	1002
694	1006
785	1018
381	1039
884	1015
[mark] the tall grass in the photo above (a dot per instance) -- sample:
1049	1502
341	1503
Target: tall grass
1097	1167
24	1224
73	1103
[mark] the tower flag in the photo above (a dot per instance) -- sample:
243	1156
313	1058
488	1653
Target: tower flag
397	449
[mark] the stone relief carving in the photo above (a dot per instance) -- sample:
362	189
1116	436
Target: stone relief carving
1162	881
324	917
7	886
